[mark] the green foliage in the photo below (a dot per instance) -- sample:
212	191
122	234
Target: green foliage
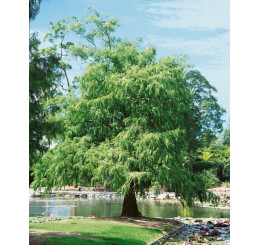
167	229
34	6
130	118
199	166
216	155
226	174
206	122
226	184
226	137
156	188
209	179
42	88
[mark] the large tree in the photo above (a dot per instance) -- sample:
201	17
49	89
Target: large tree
129	122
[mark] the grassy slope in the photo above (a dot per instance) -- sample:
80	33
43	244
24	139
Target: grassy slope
110	232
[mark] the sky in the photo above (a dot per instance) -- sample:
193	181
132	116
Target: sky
198	28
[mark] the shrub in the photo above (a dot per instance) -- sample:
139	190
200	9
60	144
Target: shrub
209	178
156	189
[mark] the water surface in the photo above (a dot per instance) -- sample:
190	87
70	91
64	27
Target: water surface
113	207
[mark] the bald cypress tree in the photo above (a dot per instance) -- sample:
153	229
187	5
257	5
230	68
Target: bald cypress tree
128	122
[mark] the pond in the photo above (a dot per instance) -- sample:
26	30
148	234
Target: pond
113	207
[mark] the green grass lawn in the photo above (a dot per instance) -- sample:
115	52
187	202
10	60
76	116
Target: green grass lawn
108	232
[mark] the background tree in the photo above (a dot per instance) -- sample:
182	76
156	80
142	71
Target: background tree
43	86
206	122
216	155
226	137
129	119
209	178
34	6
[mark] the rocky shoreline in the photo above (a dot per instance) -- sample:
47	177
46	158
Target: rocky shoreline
205	230
198	231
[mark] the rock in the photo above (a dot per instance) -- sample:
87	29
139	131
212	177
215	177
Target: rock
205	228
163	196
214	233
221	225
152	196
198	220
172	195
211	238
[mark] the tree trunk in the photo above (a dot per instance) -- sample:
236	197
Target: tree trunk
130	208
75	185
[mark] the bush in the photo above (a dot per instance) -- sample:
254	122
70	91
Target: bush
226	184
156	189
209	178
226	172
199	166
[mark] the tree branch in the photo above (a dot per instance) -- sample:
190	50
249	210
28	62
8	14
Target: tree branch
61	85
109	40
93	121
68	84
61	55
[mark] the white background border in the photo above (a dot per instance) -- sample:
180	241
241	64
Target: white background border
14	43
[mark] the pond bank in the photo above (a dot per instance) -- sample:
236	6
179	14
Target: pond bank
176	231
202	230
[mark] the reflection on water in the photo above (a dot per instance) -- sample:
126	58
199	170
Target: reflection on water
113	207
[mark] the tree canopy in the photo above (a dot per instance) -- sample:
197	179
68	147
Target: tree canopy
34	6
43	77
131	120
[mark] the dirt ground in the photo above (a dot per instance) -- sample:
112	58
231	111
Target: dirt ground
34	239
158	223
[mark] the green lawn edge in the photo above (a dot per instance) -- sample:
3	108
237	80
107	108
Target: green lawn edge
108	232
